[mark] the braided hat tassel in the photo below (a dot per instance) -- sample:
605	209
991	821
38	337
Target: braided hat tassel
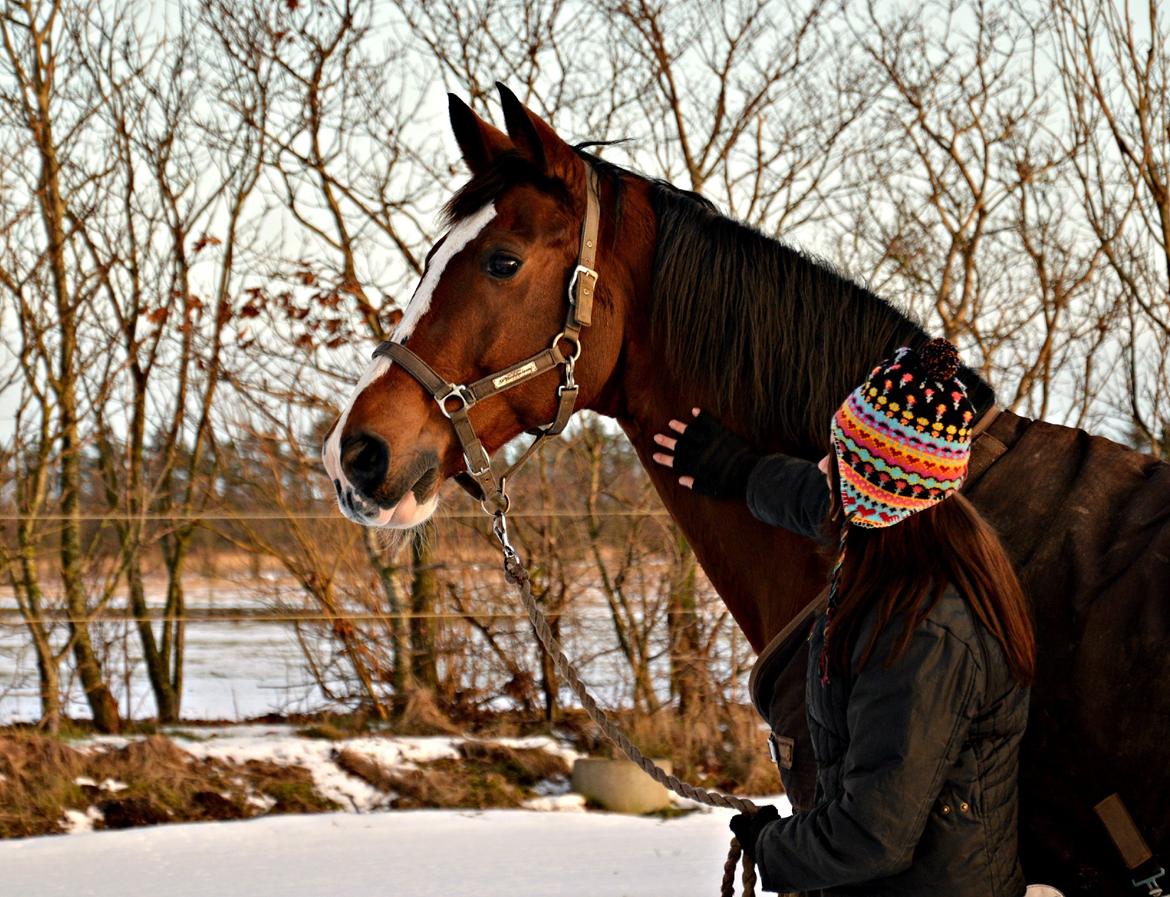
834	579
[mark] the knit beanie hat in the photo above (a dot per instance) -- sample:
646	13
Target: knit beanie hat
902	440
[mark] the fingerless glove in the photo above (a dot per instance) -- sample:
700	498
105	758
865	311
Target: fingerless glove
718	459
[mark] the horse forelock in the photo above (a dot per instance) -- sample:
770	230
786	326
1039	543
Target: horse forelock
507	171
773	338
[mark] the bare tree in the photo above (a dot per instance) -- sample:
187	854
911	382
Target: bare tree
56	283
969	222
1114	67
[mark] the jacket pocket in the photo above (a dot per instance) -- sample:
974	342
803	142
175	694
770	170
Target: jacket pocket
955	837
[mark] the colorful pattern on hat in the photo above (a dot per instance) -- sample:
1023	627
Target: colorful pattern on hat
902	438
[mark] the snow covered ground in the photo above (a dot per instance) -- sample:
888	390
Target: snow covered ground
418	853
370	850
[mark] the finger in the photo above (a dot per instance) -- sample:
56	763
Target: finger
664	460
689	482
678	426
665	441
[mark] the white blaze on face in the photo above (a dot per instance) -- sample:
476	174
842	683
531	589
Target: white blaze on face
458	237
420	302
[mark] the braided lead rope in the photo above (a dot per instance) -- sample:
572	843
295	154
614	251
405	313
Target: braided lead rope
516	574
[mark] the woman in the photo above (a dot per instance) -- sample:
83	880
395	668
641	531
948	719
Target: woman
920	665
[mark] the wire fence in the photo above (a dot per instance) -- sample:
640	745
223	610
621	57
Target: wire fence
260	616
325	515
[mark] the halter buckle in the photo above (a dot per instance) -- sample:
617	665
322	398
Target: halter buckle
477	471
452	391
581	295
579	272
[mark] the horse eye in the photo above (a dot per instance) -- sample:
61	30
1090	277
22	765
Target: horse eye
502	265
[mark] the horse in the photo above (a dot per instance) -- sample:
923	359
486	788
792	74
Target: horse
690	308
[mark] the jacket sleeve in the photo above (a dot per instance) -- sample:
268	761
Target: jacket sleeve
907	724
789	492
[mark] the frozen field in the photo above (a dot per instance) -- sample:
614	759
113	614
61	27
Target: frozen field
237	670
233	671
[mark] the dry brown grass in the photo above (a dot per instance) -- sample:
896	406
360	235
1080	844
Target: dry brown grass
423	716
485	776
163	784
724	748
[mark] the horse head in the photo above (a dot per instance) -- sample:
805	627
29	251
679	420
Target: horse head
493	293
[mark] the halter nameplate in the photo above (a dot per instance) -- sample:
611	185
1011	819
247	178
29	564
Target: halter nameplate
521	373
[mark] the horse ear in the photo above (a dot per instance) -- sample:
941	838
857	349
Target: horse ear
532	137
479	142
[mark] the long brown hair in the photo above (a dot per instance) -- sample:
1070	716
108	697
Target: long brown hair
907	567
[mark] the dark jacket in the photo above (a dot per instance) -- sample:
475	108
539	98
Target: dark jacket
916	762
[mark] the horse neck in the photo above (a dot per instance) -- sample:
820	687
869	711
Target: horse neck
763	574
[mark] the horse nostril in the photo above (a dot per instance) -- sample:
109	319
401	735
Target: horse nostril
365	459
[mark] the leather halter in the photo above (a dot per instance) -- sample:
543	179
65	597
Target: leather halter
455	400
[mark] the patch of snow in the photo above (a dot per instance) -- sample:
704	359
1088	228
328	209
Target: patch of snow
239	744
557	803
77	822
262	802
685	803
85	781
553	786
315	755
113	785
240	730
544	743
404	751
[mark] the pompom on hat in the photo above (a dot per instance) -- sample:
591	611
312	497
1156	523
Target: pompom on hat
903	443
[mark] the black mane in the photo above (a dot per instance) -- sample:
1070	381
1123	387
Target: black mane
737	314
